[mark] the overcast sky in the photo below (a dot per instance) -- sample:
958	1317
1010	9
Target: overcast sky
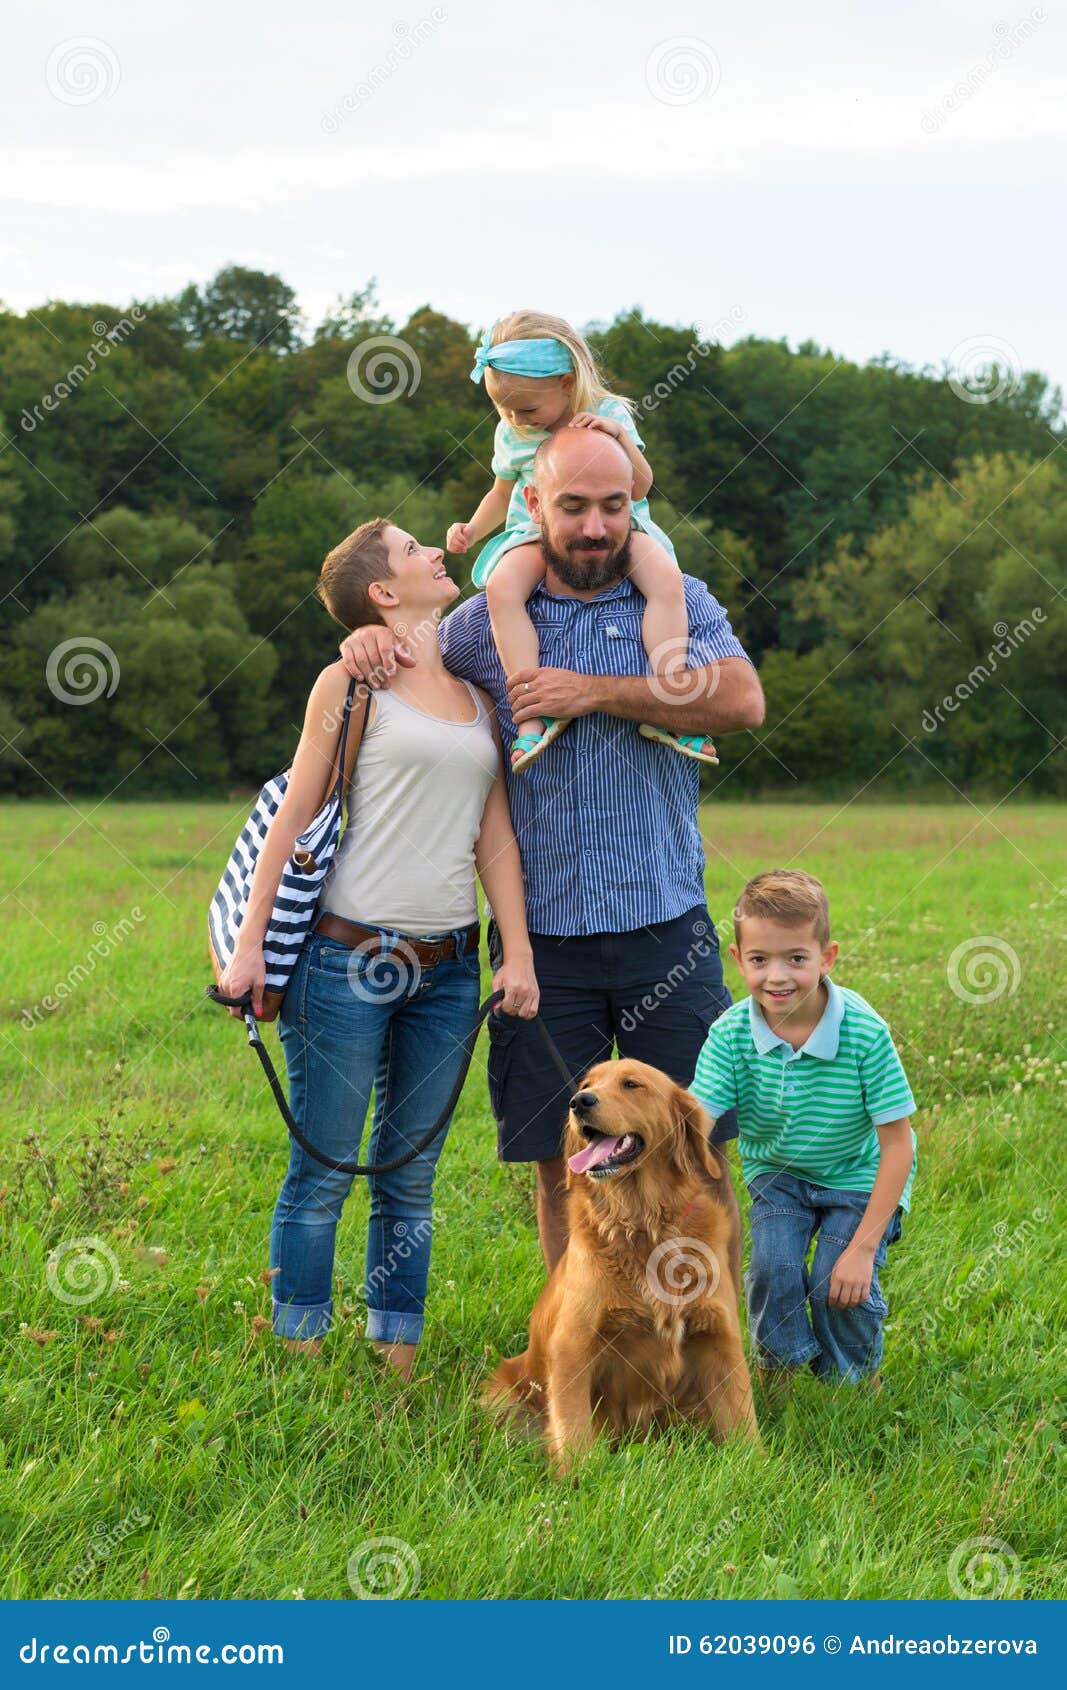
878	178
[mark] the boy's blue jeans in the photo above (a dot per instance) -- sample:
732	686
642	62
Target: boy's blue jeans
789	1314
351	1021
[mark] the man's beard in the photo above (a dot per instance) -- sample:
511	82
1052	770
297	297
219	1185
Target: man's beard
584	568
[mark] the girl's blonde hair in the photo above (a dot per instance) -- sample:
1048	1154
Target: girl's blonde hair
589	387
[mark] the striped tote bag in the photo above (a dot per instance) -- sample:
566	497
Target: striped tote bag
298	889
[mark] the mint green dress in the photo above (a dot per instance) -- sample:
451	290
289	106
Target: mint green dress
513	456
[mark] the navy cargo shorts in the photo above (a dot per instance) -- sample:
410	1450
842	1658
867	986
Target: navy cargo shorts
652	992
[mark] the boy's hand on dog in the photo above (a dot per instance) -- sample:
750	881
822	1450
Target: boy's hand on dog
850	1280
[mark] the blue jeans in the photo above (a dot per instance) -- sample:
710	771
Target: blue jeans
351	1021
789	1315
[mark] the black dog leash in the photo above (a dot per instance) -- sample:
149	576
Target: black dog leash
245	1005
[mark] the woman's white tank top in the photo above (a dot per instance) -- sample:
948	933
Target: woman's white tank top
415	803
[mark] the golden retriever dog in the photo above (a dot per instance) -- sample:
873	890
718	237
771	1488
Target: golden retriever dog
638	1324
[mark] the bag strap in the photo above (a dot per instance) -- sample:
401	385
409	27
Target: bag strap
339	771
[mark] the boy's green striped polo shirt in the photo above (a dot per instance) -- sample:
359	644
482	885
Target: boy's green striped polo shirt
813	1111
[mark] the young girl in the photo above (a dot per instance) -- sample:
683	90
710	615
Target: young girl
541	376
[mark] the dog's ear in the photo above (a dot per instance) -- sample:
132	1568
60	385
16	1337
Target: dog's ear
695	1135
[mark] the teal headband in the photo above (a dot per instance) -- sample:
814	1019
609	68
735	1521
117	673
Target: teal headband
522	358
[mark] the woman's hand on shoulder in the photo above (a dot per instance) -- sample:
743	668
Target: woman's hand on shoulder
516	979
372	653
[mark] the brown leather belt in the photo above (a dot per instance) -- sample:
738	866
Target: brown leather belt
425	951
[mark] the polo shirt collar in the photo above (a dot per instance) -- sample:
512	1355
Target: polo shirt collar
822	1042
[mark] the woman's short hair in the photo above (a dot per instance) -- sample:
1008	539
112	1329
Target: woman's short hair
347	573
788	896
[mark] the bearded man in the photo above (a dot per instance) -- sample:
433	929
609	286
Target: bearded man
624	949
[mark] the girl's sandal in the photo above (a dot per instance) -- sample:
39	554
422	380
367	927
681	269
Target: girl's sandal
532	745
690	745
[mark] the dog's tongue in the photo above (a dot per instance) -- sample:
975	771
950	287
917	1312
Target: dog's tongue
591	1157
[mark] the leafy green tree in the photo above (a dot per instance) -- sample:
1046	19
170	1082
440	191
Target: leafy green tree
954	617
140	550
354	316
251	306
164	697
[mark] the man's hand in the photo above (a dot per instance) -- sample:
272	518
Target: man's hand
607	425
372	653
458	538
850	1280
549	692
519	984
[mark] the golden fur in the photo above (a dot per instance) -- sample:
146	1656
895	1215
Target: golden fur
638	1323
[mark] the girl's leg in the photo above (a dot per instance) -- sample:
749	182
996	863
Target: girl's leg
332	1038
665	624
518	573
420	1060
665	634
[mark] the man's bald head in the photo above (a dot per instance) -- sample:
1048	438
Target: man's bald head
580	495
585	457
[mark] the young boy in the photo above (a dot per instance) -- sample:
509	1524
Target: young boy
824	1135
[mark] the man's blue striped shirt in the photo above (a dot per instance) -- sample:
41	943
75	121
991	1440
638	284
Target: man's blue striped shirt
606	820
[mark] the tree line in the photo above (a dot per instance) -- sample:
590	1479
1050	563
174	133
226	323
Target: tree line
889	542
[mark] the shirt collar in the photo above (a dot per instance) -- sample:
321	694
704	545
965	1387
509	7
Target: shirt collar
823	1040
620	589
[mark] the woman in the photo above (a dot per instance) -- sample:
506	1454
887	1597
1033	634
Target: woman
387	986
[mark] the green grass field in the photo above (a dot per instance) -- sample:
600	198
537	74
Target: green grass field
155	1440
